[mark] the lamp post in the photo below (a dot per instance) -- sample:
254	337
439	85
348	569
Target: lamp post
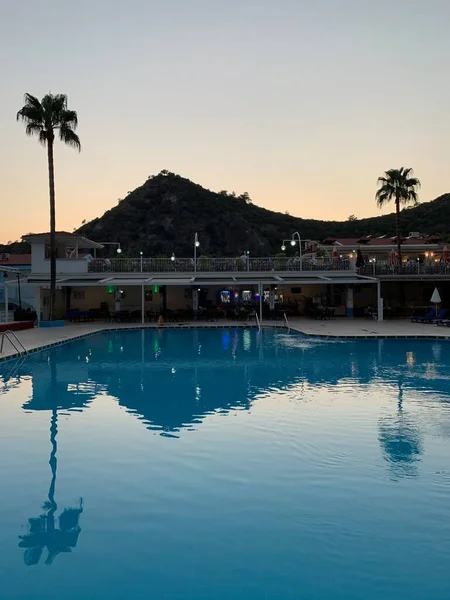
293	243
118	250
373	260
141	254
196	245
418	265
172	258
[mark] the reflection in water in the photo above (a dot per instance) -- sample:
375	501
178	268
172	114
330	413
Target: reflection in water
401	443
43	532
400	440
303	462
173	379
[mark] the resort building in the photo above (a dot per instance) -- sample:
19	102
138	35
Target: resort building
343	275
14	289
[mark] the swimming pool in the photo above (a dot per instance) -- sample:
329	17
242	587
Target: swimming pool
226	464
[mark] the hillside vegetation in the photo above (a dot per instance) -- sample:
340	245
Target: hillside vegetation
162	215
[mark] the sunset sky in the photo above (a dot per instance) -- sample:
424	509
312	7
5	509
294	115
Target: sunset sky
302	103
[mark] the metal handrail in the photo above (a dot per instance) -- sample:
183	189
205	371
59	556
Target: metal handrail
20	349
258	322
217	265
286	322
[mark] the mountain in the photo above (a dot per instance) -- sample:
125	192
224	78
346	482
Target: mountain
162	215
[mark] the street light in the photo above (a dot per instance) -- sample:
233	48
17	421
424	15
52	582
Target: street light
141	254
196	245
247	254
118	250
172	258
293	242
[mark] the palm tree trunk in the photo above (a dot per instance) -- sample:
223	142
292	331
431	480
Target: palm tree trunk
51	185
398	233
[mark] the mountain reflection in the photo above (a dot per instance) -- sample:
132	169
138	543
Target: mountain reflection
172	379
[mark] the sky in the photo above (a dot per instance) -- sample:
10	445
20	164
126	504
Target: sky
301	103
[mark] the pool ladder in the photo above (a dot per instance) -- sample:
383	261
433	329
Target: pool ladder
14	341
258	322
286	322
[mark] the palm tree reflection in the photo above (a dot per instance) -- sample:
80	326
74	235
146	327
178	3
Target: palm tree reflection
401	441
43	532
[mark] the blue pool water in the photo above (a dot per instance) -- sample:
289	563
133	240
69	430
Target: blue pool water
226	464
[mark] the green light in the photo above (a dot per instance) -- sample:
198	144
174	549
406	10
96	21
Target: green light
110	289
156	288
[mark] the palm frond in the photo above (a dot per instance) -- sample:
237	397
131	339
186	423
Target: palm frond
69	137
413	182
43	137
398	185
37	129
33	128
43	117
383	197
30	114
70	118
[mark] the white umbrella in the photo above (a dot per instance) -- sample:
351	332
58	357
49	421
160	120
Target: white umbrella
436	299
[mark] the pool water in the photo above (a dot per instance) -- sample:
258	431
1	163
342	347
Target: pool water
226	464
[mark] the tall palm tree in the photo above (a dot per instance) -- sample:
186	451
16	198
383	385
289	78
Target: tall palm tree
398	185
43	118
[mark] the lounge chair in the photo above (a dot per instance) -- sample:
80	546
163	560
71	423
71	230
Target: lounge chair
424	318
441	316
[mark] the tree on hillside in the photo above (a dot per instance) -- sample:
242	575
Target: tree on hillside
43	118
246	197
398	185
352	218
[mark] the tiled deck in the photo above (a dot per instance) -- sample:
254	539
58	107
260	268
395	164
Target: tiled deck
367	328
35	339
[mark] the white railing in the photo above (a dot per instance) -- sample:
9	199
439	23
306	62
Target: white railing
215	265
258	322
286	322
14	341
409	268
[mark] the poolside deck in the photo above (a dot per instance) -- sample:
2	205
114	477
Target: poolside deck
366	328
36	339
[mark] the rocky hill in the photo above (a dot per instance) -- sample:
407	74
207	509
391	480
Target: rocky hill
162	215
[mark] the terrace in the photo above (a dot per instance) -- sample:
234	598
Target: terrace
410	269
217	265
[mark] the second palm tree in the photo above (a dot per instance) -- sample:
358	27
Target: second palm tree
398	185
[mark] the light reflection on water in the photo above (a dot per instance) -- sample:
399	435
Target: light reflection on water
226	464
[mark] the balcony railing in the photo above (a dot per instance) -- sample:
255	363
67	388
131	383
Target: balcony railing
418	269
215	265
